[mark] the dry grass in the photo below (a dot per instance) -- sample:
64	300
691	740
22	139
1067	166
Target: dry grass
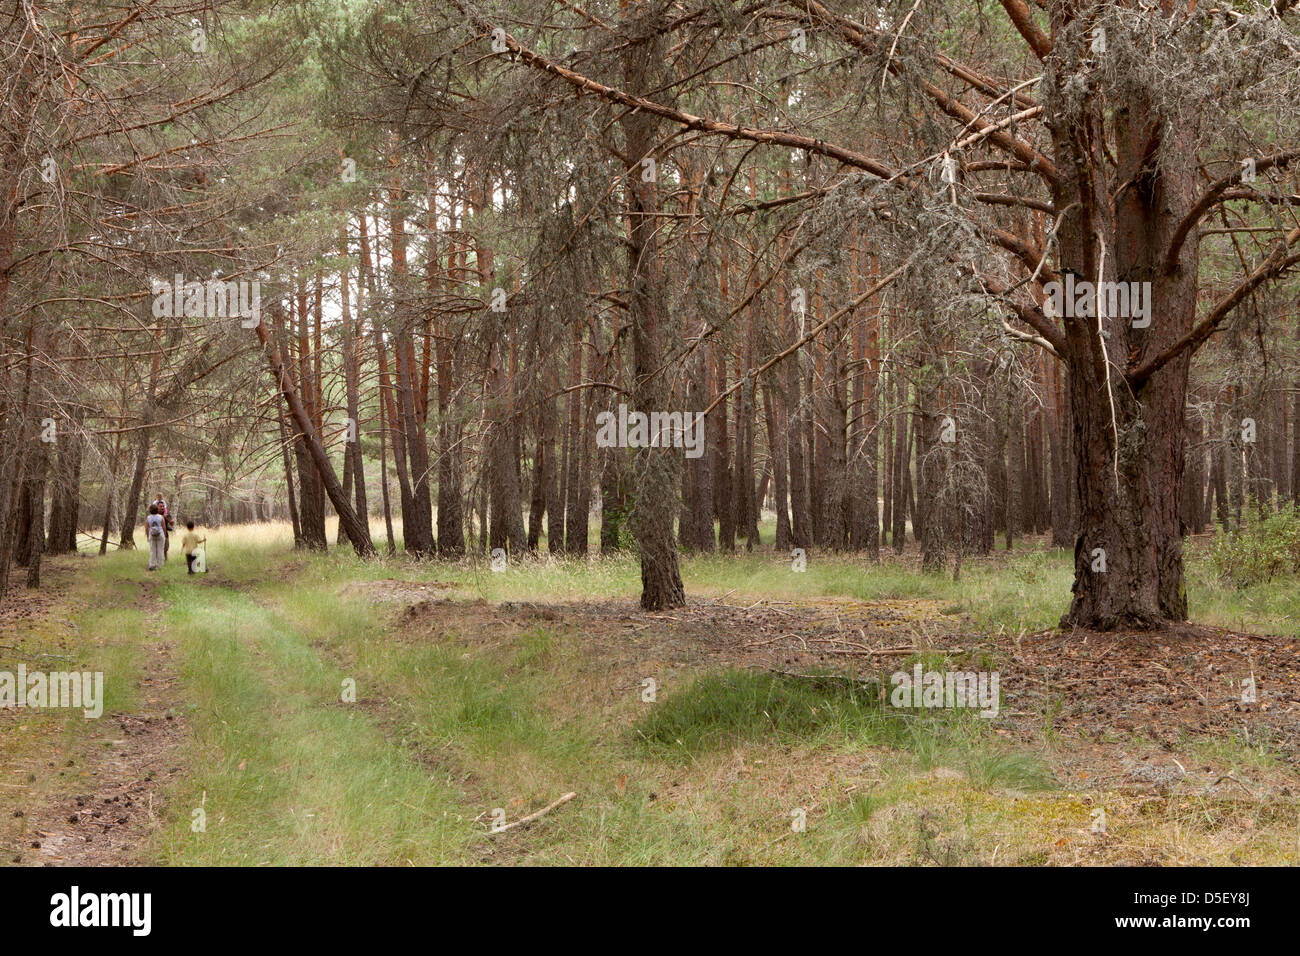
470	701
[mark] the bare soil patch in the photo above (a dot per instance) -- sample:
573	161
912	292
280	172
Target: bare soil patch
1117	710
96	800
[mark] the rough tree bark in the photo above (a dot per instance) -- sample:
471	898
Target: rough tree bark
656	469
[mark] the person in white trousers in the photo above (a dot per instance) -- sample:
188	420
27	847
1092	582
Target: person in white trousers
157	541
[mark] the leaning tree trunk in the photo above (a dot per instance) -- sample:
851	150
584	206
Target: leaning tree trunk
356	529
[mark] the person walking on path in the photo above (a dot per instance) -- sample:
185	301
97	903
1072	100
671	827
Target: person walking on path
154	528
169	524
190	542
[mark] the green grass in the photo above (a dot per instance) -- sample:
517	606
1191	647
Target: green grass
1272	607
720	709
463	712
993	766
1014	592
479	714
286	774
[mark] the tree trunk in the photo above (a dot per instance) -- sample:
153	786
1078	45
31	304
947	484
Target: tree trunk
901	466
417	522
352	386
1128	436
311	497
656	469
776	443
357	532
65	493
126	537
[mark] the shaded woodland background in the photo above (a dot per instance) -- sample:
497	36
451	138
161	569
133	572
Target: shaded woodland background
472	234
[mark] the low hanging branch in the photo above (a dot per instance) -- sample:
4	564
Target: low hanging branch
1031	159
357	531
585	84
1277	262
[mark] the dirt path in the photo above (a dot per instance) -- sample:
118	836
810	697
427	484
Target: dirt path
94	797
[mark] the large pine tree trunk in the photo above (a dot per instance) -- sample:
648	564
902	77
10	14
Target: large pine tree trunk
1128	503
1128	436
656	469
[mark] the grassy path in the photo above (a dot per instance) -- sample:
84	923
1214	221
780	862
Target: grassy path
462	712
227	738
91	792
284	772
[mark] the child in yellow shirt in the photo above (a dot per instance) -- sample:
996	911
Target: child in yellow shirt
189	542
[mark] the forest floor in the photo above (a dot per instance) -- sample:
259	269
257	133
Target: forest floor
746	728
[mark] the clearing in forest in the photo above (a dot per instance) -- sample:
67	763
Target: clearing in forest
739	729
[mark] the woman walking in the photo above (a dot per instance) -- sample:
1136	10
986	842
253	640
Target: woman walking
169	524
154	528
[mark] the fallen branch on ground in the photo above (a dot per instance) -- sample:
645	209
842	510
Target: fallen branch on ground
533	816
